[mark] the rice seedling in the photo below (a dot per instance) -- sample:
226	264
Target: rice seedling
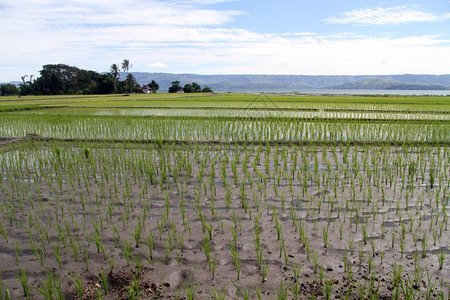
365	236
234	235
77	283
351	245
325	236
190	291
328	287
264	271
134	289
362	291
217	295
441	258
396	279
424	245
5	292
3	232
361	254
57	254
235	258
315	260
51	287
382	253
103	281
137	232
23	278
126	251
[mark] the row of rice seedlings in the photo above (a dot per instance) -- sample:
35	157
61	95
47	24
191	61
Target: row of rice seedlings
281	129
250	112
230	100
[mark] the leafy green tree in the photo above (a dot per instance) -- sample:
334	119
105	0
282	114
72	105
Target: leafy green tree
207	90
175	87
192	88
61	79
129	85
103	84
154	86
132	83
196	87
8	89
188	88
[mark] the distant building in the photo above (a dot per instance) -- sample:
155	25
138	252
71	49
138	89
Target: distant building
145	90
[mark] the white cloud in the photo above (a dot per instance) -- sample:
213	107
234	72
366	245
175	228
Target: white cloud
327	55
386	15
55	15
206	2
157	65
179	37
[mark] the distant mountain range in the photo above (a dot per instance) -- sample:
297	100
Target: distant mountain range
237	83
293	83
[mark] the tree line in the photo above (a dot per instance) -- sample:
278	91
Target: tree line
61	79
188	88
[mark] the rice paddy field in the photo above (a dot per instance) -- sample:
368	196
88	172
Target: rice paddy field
224	196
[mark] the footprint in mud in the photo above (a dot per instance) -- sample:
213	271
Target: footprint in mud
179	278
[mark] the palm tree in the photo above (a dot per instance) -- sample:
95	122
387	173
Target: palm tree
114	70
126	66
23	79
26	88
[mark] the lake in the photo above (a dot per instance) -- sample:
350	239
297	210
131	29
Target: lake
351	92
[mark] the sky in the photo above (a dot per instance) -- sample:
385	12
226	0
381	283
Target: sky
320	37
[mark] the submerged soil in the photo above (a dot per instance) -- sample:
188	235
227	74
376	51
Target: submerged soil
203	221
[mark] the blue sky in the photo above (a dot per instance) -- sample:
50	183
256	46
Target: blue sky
321	37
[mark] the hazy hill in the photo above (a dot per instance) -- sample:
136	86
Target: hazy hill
387	84
290	83
236	83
